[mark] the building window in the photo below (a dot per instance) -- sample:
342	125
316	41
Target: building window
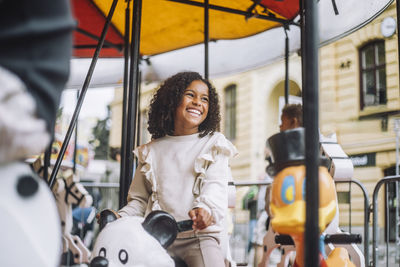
373	74
230	112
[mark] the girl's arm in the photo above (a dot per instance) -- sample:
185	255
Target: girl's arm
213	196
138	195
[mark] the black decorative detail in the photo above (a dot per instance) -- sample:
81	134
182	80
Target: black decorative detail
123	256
162	226
103	252
179	262
27	186
288	149
99	262
106	216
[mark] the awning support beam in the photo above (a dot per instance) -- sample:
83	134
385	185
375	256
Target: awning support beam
206	37
131	127
236	11
95	37
82	95
125	101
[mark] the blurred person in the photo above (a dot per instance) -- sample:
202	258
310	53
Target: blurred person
291	117
35	53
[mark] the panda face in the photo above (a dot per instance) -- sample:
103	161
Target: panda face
125	243
122	258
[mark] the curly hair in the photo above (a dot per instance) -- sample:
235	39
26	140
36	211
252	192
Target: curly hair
169	96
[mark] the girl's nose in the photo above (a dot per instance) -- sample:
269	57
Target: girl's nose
196	101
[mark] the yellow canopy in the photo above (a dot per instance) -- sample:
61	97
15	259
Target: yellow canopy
168	25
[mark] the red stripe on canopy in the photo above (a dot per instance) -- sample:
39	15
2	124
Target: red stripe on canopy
92	20
287	8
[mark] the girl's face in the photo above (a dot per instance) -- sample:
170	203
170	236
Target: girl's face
192	110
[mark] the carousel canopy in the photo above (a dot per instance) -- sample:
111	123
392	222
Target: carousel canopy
239	42
170	25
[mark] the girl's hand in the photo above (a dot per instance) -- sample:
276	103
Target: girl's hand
201	218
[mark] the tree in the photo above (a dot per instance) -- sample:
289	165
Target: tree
101	133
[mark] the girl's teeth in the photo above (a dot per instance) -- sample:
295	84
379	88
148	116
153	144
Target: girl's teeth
194	111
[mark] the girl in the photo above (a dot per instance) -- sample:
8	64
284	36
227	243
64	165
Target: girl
184	169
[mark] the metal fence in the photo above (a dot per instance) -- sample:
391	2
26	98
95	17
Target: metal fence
384	251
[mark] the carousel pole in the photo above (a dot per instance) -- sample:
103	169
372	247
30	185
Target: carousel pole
206	37
82	95
126	180
302	49
397	135
310	108
286	66
125	100
76	141
139	119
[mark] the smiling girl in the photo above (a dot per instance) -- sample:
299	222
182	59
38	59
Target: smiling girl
185	170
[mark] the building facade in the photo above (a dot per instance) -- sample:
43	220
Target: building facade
358	100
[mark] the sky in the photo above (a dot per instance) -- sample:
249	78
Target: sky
94	104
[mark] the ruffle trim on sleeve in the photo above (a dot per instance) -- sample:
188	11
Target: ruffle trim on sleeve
220	146
144	157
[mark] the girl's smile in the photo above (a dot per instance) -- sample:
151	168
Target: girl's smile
192	110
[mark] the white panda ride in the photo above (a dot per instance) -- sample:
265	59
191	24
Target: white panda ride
30	225
135	242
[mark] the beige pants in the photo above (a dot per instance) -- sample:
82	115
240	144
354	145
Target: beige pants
203	251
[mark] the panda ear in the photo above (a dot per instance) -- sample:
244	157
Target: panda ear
106	216
162	226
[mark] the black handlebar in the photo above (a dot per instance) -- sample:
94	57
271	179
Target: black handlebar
184	225
334	239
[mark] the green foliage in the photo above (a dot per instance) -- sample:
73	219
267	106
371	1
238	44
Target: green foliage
101	133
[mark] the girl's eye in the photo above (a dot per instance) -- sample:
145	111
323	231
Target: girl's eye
190	94
288	192
205	99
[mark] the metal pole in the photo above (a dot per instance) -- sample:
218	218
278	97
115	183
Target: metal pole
375	215
206	37
286	67
246	14
311	118
76	140
125	101
82	95
396	184
132	101
366	215
387	223
350	208
139	119
302	49
397	123
398	39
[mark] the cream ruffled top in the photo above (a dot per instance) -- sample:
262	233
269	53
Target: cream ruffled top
179	173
